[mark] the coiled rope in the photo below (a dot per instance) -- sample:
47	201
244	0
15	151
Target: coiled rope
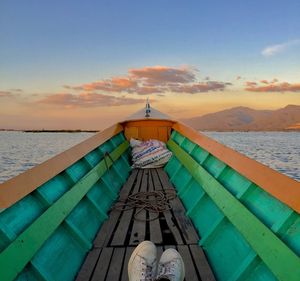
153	201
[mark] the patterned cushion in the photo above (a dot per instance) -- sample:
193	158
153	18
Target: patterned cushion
149	154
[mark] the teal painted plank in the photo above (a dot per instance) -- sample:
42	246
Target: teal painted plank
56	187
78	170
18	217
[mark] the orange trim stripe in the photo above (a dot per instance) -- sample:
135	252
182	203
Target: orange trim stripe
280	186
18	187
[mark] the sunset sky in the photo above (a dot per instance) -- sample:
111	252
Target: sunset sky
87	64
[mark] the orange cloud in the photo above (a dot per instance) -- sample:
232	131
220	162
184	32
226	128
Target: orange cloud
154	79
6	94
250	84
162	75
88	100
272	86
147	90
200	87
116	84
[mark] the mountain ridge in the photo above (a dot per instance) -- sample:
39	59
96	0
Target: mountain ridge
242	118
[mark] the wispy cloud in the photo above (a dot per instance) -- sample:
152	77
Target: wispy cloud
272	86
154	80
70	100
279	48
162	75
6	94
203	87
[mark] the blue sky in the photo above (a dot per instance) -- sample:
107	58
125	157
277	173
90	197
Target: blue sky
48	44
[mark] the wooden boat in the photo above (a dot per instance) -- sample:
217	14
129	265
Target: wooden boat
56	223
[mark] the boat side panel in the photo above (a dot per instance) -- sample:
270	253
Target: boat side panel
272	212
18	187
73	236
214	228
285	189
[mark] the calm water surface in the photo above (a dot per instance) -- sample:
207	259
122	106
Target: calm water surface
22	151
278	150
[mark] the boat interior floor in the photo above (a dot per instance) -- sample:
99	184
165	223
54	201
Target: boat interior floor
121	233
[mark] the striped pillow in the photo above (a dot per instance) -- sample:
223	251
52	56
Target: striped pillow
149	154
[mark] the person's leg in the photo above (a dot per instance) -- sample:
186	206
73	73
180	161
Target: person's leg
170	266
142	264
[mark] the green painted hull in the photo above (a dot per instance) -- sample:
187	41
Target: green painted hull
246	233
47	234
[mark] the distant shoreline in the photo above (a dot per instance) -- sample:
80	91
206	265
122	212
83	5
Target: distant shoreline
95	131
50	131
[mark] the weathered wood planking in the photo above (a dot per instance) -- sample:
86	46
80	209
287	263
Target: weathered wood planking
155	229
113	246
186	226
138	233
108	227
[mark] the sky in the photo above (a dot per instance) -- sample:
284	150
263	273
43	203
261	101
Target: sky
88	64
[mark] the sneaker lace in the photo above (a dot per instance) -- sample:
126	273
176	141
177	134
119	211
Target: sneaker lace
167	269
146	272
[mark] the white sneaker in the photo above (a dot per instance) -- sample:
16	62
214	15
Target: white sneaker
171	266
143	262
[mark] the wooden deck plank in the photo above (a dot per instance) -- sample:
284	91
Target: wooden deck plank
115	267
138	232
185	224
87	268
123	226
102	265
167	214
108	226
190	271
129	251
154	225
202	264
160	250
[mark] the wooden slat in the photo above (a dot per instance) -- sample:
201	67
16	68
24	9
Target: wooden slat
115	267
138	232
202	264
121	232
106	231
102	265
155	230
124	276
122	228
87	268
160	250
186	226
167	214
190	271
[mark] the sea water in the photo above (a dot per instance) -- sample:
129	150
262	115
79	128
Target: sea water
278	150
21	151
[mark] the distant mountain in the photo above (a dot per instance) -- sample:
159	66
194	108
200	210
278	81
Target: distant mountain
247	119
